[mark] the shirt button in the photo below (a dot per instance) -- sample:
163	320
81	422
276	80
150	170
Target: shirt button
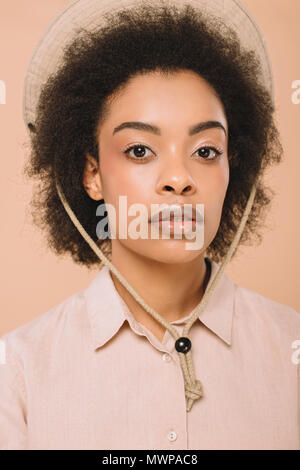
166	357
172	436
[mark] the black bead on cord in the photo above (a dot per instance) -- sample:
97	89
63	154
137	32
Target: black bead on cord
183	344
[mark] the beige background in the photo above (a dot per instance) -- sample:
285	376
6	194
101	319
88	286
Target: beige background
33	280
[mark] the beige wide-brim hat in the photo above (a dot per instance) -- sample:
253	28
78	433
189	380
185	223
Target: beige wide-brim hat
89	14
46	59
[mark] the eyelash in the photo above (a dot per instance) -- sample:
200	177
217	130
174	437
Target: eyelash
142	159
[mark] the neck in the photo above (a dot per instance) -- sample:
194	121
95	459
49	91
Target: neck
173	290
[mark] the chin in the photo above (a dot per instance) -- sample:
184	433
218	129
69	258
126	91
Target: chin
165	251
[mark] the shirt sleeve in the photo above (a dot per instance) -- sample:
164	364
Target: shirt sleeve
13	425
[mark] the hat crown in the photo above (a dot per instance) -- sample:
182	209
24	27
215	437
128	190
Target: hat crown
90	14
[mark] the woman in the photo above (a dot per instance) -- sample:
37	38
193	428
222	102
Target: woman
161	106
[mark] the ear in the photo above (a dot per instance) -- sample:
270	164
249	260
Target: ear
91	178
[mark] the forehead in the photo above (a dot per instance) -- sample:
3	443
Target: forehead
176	97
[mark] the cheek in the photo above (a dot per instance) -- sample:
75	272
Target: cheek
113	179
215	191
121	179
217	179
221	181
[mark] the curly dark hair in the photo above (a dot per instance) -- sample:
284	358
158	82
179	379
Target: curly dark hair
95	66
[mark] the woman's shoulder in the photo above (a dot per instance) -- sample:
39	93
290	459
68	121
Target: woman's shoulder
267	310
44	328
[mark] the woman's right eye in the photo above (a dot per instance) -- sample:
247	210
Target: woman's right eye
138	151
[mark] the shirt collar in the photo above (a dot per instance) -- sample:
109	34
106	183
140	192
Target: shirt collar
107	310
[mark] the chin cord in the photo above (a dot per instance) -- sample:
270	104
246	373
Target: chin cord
193	386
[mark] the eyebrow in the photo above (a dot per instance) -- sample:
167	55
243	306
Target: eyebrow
144	126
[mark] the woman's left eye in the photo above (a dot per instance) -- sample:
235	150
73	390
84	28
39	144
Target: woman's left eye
139	152
205	152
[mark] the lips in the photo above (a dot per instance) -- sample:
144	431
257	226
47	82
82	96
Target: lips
173	218
175	213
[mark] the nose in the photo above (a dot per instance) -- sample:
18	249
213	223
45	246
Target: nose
176	179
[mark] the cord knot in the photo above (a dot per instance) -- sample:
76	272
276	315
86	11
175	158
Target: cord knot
194	390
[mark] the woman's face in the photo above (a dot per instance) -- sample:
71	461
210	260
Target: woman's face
170	165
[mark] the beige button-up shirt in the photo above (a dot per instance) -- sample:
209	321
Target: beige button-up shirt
87	375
